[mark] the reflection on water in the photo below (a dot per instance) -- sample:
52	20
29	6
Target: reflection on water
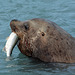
23	64
9	58
61	12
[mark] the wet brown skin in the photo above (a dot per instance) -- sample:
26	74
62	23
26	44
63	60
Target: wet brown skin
44	40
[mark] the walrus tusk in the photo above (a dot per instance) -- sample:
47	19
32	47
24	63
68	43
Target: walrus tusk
10	44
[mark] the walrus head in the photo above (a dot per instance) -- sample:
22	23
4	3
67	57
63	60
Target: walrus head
44	40
32	35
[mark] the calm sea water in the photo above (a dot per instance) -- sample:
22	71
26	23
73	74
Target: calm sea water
61	12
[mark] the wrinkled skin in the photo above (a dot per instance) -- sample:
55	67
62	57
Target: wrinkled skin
44	40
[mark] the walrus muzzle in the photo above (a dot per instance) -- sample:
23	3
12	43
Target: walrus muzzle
10	44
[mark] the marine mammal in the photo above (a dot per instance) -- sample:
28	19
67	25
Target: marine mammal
45	40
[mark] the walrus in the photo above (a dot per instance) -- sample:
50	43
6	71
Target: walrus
45	40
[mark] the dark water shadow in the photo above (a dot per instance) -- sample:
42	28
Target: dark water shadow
31	65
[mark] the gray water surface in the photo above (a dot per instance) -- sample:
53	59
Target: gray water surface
61	12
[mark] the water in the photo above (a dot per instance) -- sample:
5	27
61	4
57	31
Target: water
61	12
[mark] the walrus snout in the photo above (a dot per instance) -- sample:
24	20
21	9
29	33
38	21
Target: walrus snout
15	25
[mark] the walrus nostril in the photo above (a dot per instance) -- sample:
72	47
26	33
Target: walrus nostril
13	28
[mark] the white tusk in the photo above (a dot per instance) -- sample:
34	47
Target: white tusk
10	44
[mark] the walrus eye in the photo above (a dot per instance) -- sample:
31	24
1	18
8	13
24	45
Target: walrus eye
43	34
26	26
